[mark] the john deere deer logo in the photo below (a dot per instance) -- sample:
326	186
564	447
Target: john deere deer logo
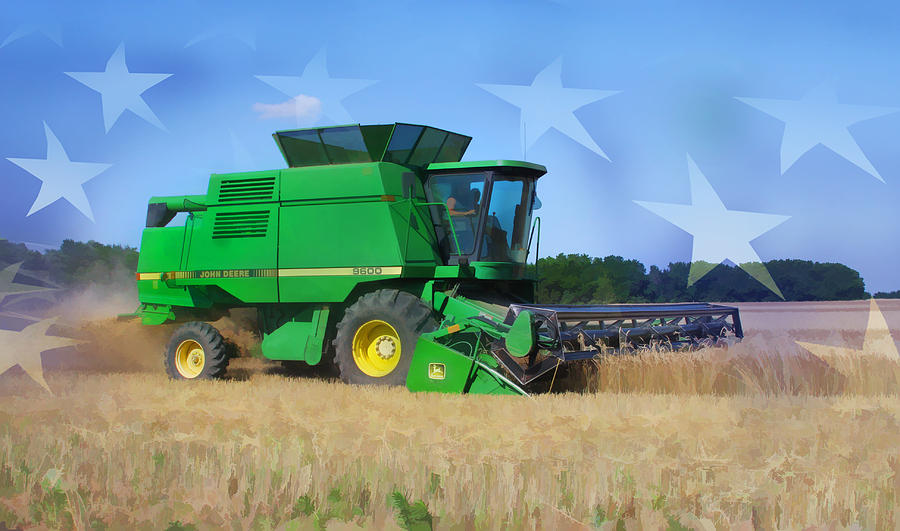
436	371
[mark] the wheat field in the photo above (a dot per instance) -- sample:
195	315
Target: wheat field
763	435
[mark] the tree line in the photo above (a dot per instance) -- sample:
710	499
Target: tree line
582	279
74	263
563	279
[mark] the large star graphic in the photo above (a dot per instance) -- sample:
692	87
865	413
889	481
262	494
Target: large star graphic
818	118
60	177
24	349
877	344
546	103
719	234
121	90
8	285
51	30
316	82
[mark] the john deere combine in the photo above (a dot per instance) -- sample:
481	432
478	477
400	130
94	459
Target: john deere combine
378	250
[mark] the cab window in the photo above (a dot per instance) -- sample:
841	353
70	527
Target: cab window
507	220
462	194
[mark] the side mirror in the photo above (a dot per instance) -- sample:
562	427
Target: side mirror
407	181
535	202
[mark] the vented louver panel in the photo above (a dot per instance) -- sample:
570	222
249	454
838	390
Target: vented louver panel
246	190
241	224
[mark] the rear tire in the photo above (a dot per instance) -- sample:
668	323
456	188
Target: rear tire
197	351
375	339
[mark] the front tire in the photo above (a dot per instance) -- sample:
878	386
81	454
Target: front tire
376	337
197	351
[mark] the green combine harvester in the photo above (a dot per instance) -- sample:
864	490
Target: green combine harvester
379	251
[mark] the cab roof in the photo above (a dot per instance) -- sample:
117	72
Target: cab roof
521	166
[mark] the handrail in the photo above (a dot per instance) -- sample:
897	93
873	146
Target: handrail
537	251
449	220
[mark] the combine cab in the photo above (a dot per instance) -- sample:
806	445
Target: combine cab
377	250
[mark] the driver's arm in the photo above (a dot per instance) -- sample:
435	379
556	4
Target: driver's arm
451	204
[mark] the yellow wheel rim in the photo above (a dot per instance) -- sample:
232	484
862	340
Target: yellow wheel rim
189	358
376	348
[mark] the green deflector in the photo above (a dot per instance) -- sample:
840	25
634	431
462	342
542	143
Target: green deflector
521	339
437	367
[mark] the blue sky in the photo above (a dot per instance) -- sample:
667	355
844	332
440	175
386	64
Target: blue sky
660	81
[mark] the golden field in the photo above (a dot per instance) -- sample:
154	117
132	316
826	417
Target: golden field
763	435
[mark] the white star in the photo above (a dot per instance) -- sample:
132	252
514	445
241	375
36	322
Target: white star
719	234
50	30
818	118
8	286
316	82
24	349
60	177
877	343
121	90
545	104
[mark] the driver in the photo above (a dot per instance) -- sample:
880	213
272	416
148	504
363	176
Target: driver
458	200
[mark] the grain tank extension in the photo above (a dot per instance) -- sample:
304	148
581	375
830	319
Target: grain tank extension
379	251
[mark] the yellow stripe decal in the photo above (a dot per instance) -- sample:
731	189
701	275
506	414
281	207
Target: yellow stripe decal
283	273
339	271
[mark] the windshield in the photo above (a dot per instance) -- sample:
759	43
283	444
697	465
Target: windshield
462	194
507	222
496	232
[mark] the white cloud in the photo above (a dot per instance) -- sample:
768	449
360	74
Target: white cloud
301	107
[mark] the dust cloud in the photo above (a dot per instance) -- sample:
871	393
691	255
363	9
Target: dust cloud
113	344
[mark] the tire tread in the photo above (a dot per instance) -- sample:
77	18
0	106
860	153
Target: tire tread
215	349
415	315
